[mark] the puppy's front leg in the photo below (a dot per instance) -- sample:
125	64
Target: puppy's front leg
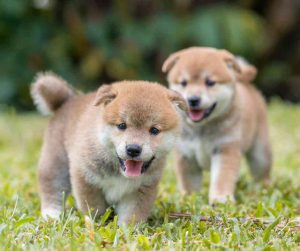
188	174
225	165
136	207
87	196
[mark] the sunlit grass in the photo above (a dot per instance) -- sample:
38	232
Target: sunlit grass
21	226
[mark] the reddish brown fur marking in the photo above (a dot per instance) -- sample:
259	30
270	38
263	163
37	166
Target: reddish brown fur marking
83	146
195	60
218	142
140	106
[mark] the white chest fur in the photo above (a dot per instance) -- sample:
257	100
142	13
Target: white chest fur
115	187
199	145
197	149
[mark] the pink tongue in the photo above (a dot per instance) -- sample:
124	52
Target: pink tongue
196	115
133	168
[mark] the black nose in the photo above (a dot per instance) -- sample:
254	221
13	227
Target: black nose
194	101
133	150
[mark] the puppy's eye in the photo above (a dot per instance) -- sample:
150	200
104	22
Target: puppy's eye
209	82
122	126
154	131
183	83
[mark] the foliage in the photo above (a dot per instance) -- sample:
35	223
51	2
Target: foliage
91	42
21	227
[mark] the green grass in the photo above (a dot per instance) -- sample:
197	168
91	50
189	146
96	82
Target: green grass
21	227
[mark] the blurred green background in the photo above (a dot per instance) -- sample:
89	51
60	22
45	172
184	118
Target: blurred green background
92	42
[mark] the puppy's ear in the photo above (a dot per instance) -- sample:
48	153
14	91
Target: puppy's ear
173	58
105	95
230	61
178	100
170	62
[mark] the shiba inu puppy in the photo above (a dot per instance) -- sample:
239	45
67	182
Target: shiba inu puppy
226	119
108	147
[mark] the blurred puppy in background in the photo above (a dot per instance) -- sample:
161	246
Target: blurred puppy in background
226	119
108	147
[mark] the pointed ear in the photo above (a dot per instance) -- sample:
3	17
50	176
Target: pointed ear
230	61
173	58
105	95
178	100
170	61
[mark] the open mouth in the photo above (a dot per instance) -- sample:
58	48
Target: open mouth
134	168
197	115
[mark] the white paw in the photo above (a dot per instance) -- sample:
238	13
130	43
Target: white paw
51	213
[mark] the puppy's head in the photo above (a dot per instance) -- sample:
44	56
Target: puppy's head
139	124
206	79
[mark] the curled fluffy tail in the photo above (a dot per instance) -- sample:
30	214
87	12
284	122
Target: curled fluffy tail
248	71
49	92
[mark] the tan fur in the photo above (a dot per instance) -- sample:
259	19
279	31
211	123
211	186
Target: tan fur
49	92
248	72
82	145
237	125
